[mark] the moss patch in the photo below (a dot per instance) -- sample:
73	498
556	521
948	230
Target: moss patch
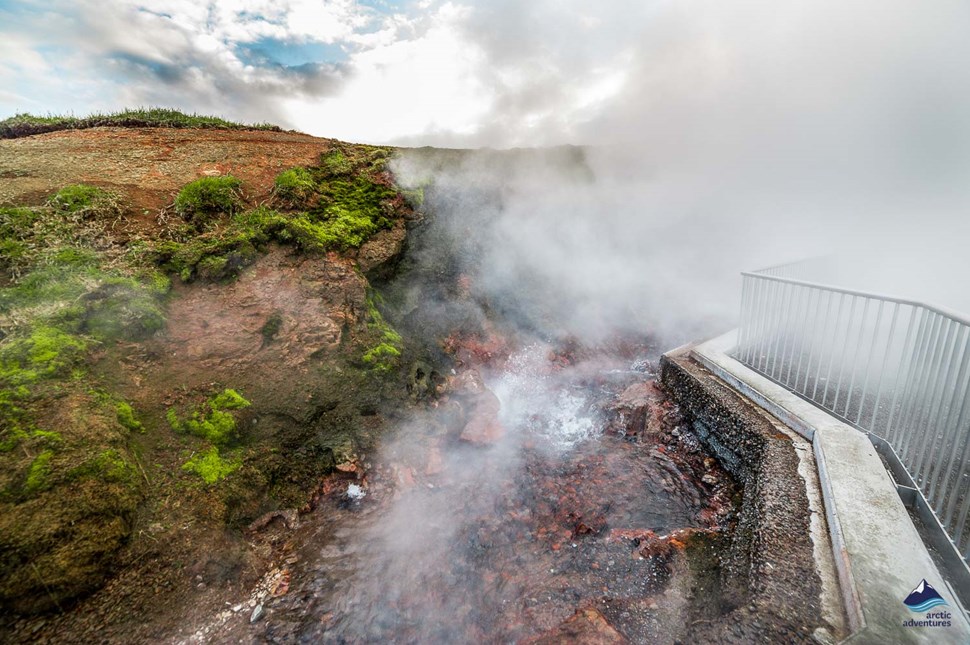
87	201
213	420
203	200
211	466
67	498
126	417
383	356
36	479
295	187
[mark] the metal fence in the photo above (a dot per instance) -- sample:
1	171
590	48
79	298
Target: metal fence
893	367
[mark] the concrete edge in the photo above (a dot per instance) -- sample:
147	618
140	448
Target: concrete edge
780	537
714	356
863	597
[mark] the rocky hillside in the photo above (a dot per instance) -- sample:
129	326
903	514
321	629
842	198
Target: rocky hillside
191	336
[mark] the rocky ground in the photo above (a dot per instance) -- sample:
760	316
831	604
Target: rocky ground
595	520
305	421
107	533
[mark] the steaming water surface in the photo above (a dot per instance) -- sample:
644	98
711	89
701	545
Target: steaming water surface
534	401
470	543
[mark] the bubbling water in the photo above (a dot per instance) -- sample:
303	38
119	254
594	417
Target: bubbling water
543	402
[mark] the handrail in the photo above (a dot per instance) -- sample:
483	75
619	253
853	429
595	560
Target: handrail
896	368
943	311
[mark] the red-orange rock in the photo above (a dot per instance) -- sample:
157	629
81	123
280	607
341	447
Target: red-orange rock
585	627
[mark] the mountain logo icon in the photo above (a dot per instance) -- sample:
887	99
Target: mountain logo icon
923	597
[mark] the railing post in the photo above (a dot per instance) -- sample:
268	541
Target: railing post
791	336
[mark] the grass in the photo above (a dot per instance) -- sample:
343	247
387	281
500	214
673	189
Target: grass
294	187
24	124
65	288
87	201
203	200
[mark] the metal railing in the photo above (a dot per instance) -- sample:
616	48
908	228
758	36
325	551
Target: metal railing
895	368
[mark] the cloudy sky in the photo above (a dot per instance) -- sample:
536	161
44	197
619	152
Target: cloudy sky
506	72
740	132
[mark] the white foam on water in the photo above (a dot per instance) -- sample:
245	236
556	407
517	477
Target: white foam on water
542	402
355	492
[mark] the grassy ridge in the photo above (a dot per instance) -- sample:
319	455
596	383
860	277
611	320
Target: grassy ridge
24	125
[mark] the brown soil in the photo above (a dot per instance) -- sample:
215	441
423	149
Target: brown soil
313	404
148	165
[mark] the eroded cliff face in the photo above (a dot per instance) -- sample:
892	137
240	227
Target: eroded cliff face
243	400
174	370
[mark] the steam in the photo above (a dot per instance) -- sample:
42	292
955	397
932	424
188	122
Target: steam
737	139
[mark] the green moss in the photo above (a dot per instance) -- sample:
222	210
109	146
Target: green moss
12	435
126	417
210	466
294	187
122	308
229	399
46	352
48	438
16	231
341	230
108	466
414	196
64	283
222	254
213	421
356	199
335	162
87	201
73	257
204	199
173	419
37	474
382	356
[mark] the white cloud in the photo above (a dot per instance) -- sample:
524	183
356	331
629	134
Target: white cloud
406	87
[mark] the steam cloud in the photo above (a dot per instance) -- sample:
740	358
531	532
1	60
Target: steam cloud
738	139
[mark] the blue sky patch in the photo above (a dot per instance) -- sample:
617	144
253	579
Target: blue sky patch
272	51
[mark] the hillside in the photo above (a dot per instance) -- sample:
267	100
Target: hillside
190	341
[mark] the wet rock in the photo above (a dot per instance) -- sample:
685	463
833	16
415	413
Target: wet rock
258	613
480	406
587	626
635	410
381	251
483	426
422	380
631	535
351	466
289	517
435	462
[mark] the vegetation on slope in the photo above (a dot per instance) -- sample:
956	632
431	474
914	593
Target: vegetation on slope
82	454
332	207
23	125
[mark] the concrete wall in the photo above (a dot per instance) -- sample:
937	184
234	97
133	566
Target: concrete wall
770	576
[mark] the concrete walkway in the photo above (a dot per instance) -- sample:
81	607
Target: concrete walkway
879	556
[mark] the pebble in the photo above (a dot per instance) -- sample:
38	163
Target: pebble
257	614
